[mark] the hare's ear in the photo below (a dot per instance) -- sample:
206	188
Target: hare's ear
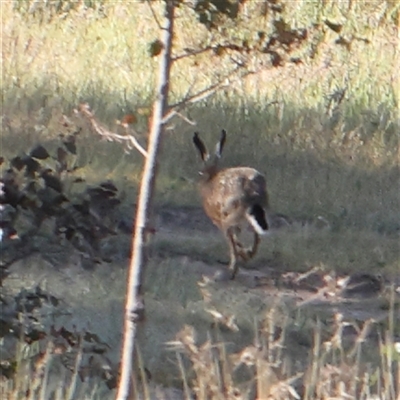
200	146
220	144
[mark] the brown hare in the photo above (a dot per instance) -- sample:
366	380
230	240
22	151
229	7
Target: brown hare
231	197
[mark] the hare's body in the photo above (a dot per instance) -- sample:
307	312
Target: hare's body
229	194
232	197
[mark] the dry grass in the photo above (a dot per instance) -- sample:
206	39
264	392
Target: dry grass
228	344
241	340
264	372
332	168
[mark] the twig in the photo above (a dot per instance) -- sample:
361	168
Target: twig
172	114
84	109
204	93
154	14
189	53
187	94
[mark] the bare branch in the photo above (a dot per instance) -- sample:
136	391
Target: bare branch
224	81
191	52
130	140
134	306
187	94
174	113
154	15
202	94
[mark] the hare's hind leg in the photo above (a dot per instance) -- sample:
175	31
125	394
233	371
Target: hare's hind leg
246	253
233	252
251	251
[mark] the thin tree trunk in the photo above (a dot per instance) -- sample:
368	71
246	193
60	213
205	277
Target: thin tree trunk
134	307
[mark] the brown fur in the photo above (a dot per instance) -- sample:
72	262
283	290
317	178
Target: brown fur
227	195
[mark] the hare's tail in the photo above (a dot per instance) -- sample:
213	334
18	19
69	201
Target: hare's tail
257	219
